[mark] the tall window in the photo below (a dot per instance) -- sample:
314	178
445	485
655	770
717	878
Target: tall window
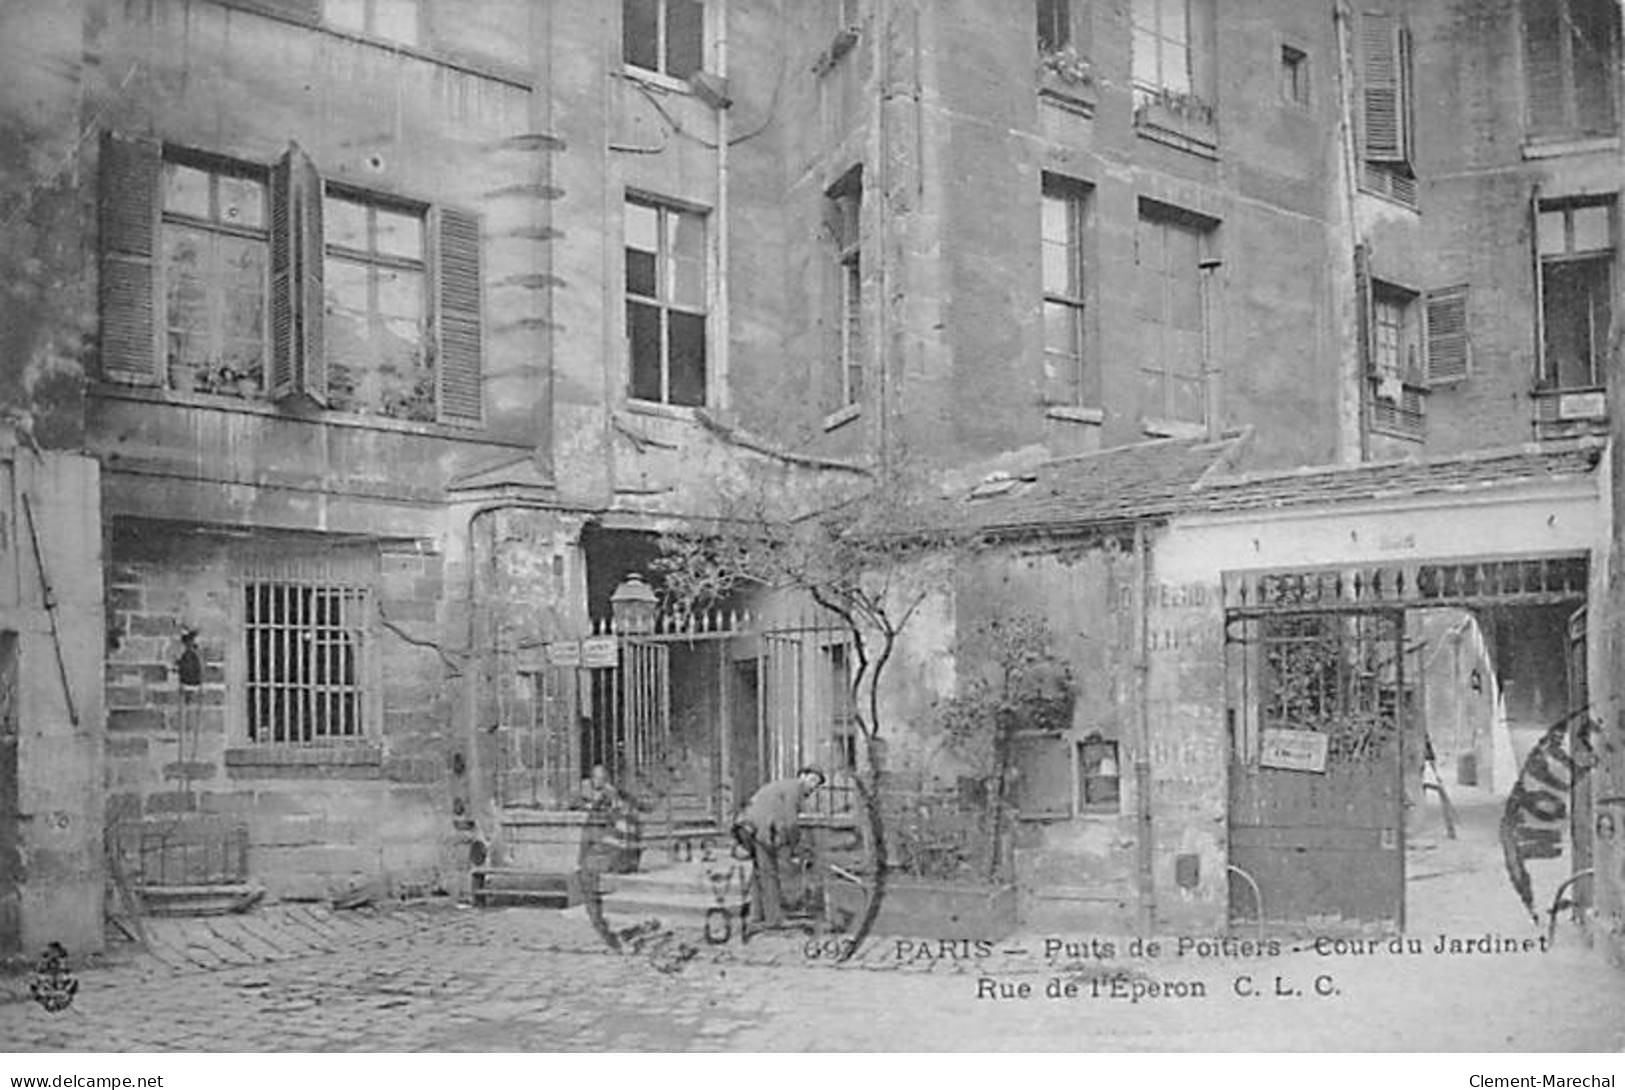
1569	50
303	644
1054	25
1062	225
376	310
214	253
1396	370
258	282
1575	244
1162	47
666	36
665	303
395	20
845	210
1171	315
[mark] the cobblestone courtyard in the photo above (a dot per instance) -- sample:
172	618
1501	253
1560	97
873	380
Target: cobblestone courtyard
440	977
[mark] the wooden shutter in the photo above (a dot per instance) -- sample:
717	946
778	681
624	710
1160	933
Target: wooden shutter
310	256
1538	280
458	314
130	177
1545	82
298	365
1365	302
1448	354
1384	116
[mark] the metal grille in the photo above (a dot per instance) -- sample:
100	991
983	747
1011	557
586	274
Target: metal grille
1337	675
304	639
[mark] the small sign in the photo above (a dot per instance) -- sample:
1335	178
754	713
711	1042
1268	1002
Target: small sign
1587	406
564	653
1294	750
600	651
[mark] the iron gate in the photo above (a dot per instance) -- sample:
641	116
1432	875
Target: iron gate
1316	772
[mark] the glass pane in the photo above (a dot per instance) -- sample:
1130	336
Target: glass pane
345	14
399	233
642	227
242	202
1057	269
685	37
1055	223
688	283
643	351
186	190
1175	71
640	34
243	281
1145	13
396	20
1145	58
400	302
1172	25
345	330
1549	229
688	238
344	223
640	274
687	358
1188	399
1061	329
1591	228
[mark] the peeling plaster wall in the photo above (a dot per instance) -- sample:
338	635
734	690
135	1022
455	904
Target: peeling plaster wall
51	734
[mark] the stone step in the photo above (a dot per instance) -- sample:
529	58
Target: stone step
510	886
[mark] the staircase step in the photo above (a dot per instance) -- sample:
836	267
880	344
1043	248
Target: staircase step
509	886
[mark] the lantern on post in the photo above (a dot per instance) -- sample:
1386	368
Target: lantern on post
632	607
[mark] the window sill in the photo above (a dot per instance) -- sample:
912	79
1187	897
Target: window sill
1075	414
1073	96
1172	429
656	81
1388	198
354	761
1579	403
1158	122
842	416
160	396
482	67
1553	147
660	408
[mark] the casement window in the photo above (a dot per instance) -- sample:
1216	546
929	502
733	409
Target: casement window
254	282
844	210
1170	249
1063	222
392	20
1412	342
665	36
665	303
1570	50
375	322
843	720
1574	270
304	670
1162	47
1054	25
213	252
1386	118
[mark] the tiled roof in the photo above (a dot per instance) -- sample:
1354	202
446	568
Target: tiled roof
1384	480
1145	480
1172	476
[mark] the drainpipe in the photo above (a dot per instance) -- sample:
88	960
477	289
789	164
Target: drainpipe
721	340
1351	432
1142	758
1212	371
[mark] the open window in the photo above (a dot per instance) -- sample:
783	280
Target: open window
234	279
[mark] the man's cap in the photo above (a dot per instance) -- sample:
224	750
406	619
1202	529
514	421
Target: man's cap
815	770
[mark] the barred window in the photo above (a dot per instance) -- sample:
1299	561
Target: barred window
305	645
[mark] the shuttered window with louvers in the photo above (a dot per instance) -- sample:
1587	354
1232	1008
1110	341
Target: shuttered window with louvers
1384	89
459	316
1448	355
130	174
